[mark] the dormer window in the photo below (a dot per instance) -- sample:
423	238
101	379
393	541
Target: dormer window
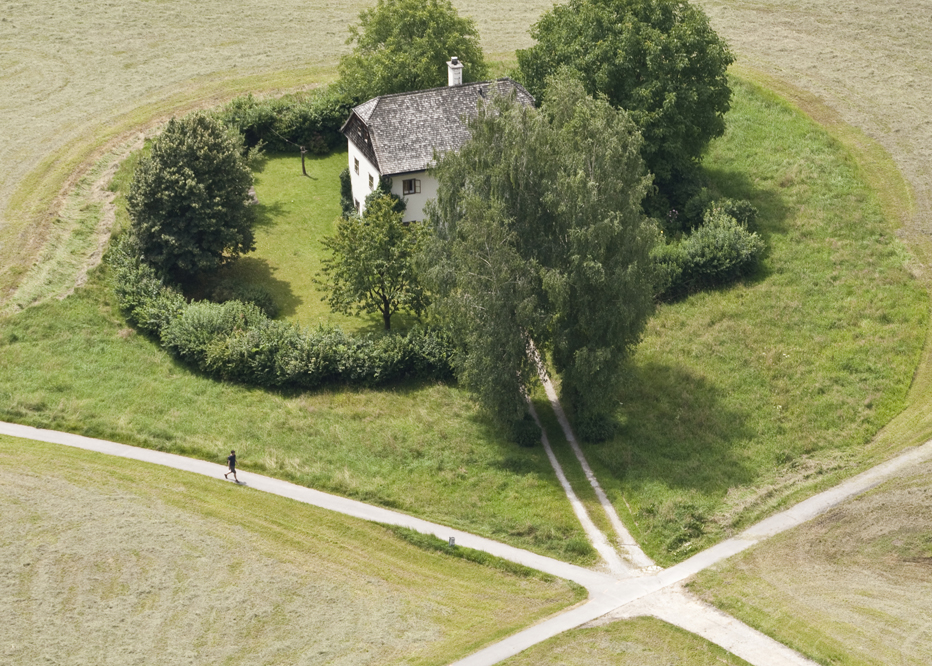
411	186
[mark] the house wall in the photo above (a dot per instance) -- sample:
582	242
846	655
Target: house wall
415	202
360	181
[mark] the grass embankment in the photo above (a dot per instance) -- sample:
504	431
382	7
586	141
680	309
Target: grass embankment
741	400
114	561
850	588
644	641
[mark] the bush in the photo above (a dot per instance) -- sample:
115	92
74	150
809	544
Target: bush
247	293
347	204
716	253
312	120
595	428
236	341
188	198
526	432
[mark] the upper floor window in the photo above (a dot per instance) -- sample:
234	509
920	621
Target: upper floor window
371	182
411	186
356	165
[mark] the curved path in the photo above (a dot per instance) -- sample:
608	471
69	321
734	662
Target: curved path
656	594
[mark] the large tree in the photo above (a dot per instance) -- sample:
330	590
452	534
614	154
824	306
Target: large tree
370	267
659	60
540	236
403	45
188	201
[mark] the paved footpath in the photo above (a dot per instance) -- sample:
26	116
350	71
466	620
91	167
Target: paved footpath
656	594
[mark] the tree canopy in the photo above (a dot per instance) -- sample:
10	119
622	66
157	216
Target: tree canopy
188	201
371	266
659	60
540	237
403	45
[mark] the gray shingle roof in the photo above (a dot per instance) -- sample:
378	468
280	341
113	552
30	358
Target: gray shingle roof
404	129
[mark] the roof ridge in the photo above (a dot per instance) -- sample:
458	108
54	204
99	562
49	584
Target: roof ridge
435	89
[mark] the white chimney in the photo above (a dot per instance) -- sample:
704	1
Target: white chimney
454	72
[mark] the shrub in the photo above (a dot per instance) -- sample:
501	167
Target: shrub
595	428
718	252
740	209
247	293
312	120
236	341
188	198
347	205
526	432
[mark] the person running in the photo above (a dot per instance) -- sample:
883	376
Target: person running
231	461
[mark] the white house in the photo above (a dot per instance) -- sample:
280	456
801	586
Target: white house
396	135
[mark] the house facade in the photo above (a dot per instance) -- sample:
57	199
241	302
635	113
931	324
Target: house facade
396	135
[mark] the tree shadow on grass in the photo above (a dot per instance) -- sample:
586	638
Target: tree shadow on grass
675	429
253	270
267	215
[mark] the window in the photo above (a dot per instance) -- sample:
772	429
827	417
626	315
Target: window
356	165
371	182
356	203
411	186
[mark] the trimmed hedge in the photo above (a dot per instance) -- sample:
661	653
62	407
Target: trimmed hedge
236	341
312	120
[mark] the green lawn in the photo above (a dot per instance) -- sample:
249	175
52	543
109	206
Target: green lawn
743	399
107	560
643	641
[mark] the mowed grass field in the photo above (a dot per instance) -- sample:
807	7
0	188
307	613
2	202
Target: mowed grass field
110	561
849	588
643	641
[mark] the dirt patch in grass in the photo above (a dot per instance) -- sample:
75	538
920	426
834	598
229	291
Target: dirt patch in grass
851	587
117	562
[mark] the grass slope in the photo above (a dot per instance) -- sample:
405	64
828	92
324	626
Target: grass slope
849	588
643	641
743	399
109	561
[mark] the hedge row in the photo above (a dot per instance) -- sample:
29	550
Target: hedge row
236	341
312	120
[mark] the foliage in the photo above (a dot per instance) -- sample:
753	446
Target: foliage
188	199
237	341
256	294
659	60
403	45
310	120
540	236
716	253
371	266
347	206
526	432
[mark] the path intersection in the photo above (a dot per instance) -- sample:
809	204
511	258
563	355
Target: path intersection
633	587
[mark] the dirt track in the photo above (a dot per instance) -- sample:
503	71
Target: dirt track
868	61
